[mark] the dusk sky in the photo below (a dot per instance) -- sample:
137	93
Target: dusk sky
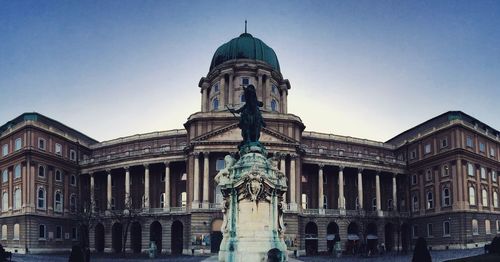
368	69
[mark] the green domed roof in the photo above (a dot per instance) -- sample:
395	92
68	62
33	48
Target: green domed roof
245	47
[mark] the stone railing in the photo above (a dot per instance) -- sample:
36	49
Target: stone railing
338	153
148	151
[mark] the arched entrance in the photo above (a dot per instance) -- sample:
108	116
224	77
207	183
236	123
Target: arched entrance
371	238
311	238
155	234
332	236
405	237
177	237
99	237
352	246
135	237
215	236
116	237
389	236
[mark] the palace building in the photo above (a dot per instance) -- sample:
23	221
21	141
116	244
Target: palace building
438	180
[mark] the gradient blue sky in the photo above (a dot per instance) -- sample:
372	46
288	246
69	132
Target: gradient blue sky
368	69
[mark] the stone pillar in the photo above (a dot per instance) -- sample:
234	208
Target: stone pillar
341	199
320	186
231	90
284	102
222	93
377	190
394	193
127	188
292	180
92	191
259	88
167	186
196	181
360	188
109	189
205	177
266	93
146	186
204	98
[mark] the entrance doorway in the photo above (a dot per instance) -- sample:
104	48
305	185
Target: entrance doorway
116	237
99	237
135	237
155	234
311	239
177	237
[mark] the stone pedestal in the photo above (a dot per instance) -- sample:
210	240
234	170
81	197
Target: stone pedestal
253	190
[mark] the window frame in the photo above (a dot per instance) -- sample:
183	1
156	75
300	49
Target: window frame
446	197
44	170
17	199
42	144
430	230
72	155
427	148
5	175
472	195
5	198
5	150
445	234
59	202
43	198
243	78
482	147
469	142
58	149
60	179
18	144
40	237
444	142
17	171
72	180
429	201
484	197
59	238
475	227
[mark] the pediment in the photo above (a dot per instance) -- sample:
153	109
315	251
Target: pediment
232	133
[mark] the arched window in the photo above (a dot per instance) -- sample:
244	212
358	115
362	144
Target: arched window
162	200
495	199
73	180
17	171
17	199
215	103
446	197
274	105
5	201
58	201
58	175
472	196
475	227
4	232
415	205
72	203
41	171
41	198
484	195
242	98
374	204
5	176
430	200
16	232
487	227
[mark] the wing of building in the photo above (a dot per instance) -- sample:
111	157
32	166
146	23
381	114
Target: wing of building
60	187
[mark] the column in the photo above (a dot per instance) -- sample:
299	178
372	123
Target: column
360	188
196	180
127	188
167	186
259	87
109	189
146	185
341	200
292	180
394	193
284	98
204	99
377	190
222	92
320	186
92	192
230	90
267	93
283	168
205	177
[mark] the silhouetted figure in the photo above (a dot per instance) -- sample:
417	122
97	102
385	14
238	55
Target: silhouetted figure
421	253
76	255
274	255
494	247
4	255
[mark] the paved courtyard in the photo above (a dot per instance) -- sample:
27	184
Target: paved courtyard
436	257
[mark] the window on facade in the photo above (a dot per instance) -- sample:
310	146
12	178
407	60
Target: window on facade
59	232
58	149
482	147
475	227
429	230
472	196
162	200
5	149
72	203
495	199
487	227
413	154
273	105
274	89
484	195
446	197
483	173
414	179
41	198
374	204
74	233
428	175
17	171
492	151
245	81
219	164
303	201
41	143
41	171
5	201
216	87
469	141
41	232
389	205
415	205
430	200
72	155
494	176
58	175
445	171
18	144
446	228
4	232
73	180
215	104
58	201
427	148
5	175
17	199
444	142
414	231
470	169
16	232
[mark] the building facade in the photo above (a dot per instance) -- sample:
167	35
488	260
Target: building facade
438	179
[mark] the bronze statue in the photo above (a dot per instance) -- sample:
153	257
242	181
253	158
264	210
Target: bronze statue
251	120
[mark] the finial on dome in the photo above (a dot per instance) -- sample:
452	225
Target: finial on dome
245	26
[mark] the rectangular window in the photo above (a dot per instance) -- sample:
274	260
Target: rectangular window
5	175
274	89
492	151
482	147
483	173
429	230
72	155
475	227
215	87
444	142
5	150
446	228
446	170
58	149
428	175
245	81
59	232
18	144
470	169
494	178
469	142
413	154
414	179
41	232
41	143
427	148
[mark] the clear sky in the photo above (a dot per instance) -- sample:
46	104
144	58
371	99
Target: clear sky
368	69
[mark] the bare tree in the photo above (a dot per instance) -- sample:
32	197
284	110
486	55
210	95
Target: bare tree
126	216
86	218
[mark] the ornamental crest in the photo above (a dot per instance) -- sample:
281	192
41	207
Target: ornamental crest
254	186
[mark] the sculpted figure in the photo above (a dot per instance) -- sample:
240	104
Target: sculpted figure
224	173
251	120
